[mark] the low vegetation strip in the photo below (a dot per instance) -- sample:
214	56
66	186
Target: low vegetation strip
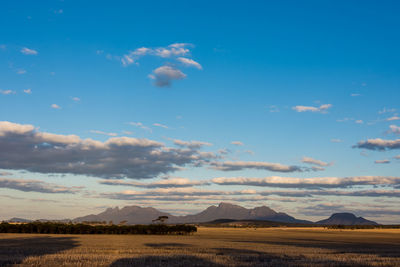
353	227
61	228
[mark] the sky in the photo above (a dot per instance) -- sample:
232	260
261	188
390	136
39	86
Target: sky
180	105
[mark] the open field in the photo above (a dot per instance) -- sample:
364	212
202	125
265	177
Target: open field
208	247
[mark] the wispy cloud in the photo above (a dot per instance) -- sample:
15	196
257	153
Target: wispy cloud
35	186
317	182
387	110
55	106
320	109
140	125
173	50
76	99
189	62
394	129
191	144
241	165
273	109
382	161
177	54
336	140
27	91
160	125
103	133
173	194
28	51
393	118
7	92
237	143
21	71
165	183
317	162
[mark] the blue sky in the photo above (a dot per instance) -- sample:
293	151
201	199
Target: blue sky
310	86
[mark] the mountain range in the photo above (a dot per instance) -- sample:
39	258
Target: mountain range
139	215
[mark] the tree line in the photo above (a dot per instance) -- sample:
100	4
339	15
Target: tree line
353	227
80	228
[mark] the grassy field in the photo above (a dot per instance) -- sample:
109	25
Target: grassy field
208	247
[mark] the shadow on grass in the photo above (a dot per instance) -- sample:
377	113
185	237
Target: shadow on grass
15	250
257	258
167	245
379	248
171	261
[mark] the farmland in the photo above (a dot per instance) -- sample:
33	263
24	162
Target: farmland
208	247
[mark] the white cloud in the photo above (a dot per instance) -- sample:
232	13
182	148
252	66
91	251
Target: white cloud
241	165
160	125
164	75
27	51
127	60
189	62
383	161
103	133
21	71
394	129
165	183
335	140
24	148
359	121
7	92
393	118
55	106
315	162
127	132
27	91
140	125
174	194
355	94
320	109
273	109
76	99
387	110
191	144
317	182
378	144
35	186
171	51
237	143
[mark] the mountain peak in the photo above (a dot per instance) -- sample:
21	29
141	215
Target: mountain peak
346	215
226	205
346	218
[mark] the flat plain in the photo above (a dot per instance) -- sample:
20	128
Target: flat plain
208	247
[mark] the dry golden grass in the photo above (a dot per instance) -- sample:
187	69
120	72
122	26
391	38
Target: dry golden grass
208	247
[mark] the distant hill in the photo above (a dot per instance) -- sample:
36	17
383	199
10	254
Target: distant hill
139	215
235	212
131	214
252	223
346	219
19	220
